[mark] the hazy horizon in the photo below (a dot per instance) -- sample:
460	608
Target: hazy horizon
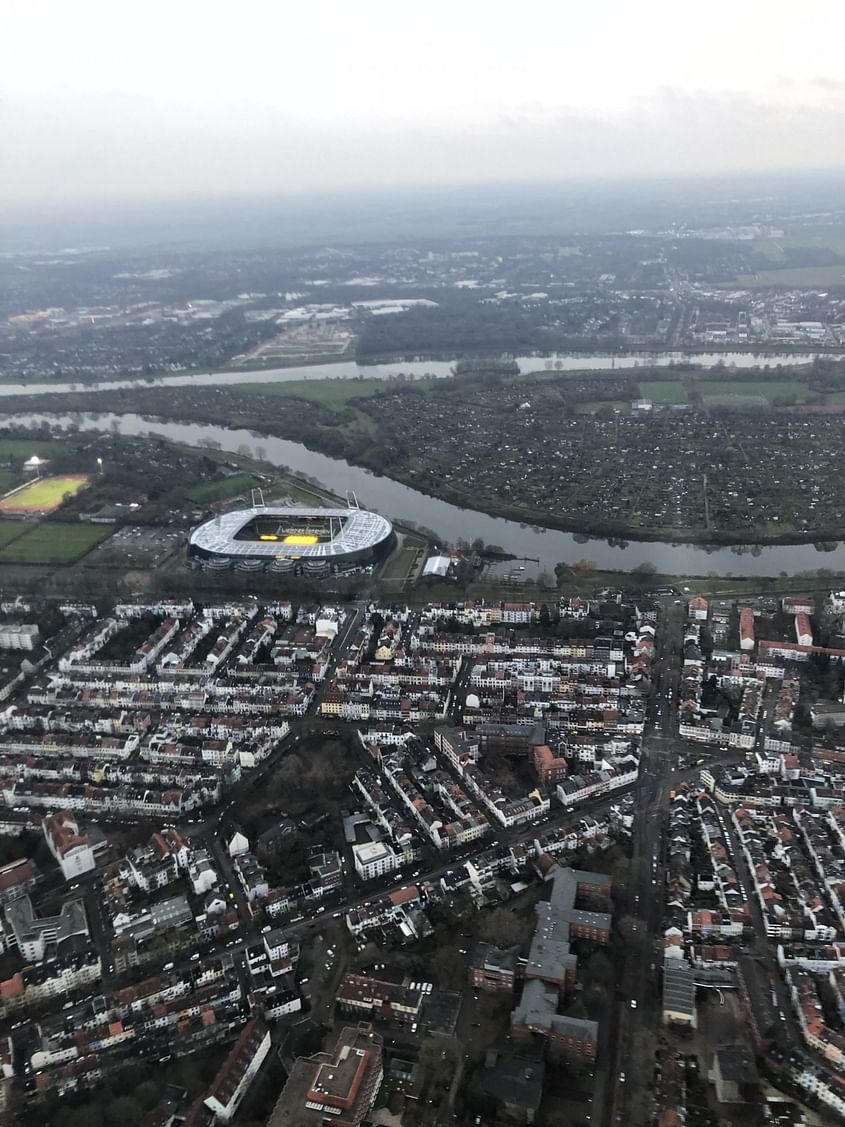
103	104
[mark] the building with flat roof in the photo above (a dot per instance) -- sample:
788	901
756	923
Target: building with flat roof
374	859
34	934
734	1074
18	636
679	993
338	1087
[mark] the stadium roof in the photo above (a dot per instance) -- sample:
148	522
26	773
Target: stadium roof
361	530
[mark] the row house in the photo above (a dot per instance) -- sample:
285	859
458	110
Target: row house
822	846
103	631
252	877
148	651
162	608
225	643
431	822
368	998
70	744
507	812
175	659
807	1004
45	981
406	845
578	789
792	900
393	910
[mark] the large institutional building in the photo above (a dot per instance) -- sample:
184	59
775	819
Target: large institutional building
288	540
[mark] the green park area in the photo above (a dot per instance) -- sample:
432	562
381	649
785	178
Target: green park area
399	564
797	276
770	392
621	405
49	542
727	393
220	490
663	391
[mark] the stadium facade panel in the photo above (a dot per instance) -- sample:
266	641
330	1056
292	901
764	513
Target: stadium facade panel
289	538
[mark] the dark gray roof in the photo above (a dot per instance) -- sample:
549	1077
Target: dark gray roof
678	987
736	1063
515	1082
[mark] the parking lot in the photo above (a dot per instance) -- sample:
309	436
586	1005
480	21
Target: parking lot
138	546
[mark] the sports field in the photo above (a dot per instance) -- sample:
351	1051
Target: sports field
43	495
663	391
218	490
766	391
51	543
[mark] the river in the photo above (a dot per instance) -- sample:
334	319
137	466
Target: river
349	370
400	503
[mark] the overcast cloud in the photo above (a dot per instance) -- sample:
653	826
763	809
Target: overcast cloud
111	101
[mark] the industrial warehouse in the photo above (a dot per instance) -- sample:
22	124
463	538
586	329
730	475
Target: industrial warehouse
291	539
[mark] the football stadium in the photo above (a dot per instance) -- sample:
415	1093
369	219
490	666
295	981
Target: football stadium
291	540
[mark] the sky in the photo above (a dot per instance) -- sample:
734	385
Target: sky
120	100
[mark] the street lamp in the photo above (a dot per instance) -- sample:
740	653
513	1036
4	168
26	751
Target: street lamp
100	464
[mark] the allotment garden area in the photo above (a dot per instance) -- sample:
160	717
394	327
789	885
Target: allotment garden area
716	455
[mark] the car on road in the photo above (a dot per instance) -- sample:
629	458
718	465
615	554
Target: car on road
633	1003
621	1077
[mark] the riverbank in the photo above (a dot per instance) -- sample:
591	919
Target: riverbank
588	583
822	540
450	523
319	368
310	412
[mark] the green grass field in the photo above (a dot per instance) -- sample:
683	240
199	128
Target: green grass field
768	389
826	236
52	543
581	373
622	405
43	495
11	530
399	564
663	391
219	490
290	490
794	276
23	448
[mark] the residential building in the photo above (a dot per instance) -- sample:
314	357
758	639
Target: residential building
18	637
71	849
368	998
238	1071
494	968
34	935
374	859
